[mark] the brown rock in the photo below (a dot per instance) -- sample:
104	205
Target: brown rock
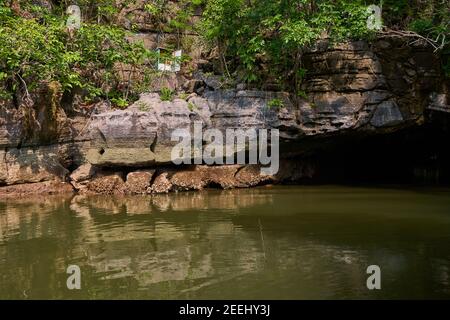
28	166
79	178
39	188
190	179
251	176
107	184
224	176
83	173
161	184
192	85
139	181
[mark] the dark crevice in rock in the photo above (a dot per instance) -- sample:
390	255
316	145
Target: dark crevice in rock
153	145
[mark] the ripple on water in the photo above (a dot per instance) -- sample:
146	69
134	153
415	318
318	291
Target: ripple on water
279	242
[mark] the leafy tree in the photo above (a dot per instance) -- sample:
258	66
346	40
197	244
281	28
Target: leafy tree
38	49
265	39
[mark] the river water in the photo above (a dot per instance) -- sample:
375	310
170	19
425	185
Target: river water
308	242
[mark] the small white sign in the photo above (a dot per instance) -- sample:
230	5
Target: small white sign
171	66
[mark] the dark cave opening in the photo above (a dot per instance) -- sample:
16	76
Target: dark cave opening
419	156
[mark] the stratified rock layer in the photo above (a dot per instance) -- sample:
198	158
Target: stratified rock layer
350	89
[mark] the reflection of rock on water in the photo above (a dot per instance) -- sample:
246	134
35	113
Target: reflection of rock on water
156	251
169	251
206	200
34	209
189	245
202	200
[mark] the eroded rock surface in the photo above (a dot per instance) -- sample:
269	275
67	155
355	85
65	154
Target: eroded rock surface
186	178
350	89
138	182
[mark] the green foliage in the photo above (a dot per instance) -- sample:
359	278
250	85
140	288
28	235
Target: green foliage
36	50
430	19
170	18
263	40
120	102
30	50
251	34
183	96
402	14
154	8
421	25
167	94
275	103
302	94
191	106
258	41
143	106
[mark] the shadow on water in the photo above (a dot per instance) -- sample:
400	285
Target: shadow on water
270	242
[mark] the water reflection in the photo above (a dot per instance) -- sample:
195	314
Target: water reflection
283	242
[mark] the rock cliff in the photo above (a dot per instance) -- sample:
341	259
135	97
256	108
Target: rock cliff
351	89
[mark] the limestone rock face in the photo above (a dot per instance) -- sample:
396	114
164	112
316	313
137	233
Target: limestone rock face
41	154
10	128
133	14
199	177
251	110
28	166
349	89
386	114
83	173
250	176
372	89
142	135
190	179
139	136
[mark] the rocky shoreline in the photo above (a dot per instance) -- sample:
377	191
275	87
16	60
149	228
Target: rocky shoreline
354	89
88	180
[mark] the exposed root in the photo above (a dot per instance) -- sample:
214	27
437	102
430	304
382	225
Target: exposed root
437	44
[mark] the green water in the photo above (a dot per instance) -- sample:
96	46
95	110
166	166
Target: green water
264	243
